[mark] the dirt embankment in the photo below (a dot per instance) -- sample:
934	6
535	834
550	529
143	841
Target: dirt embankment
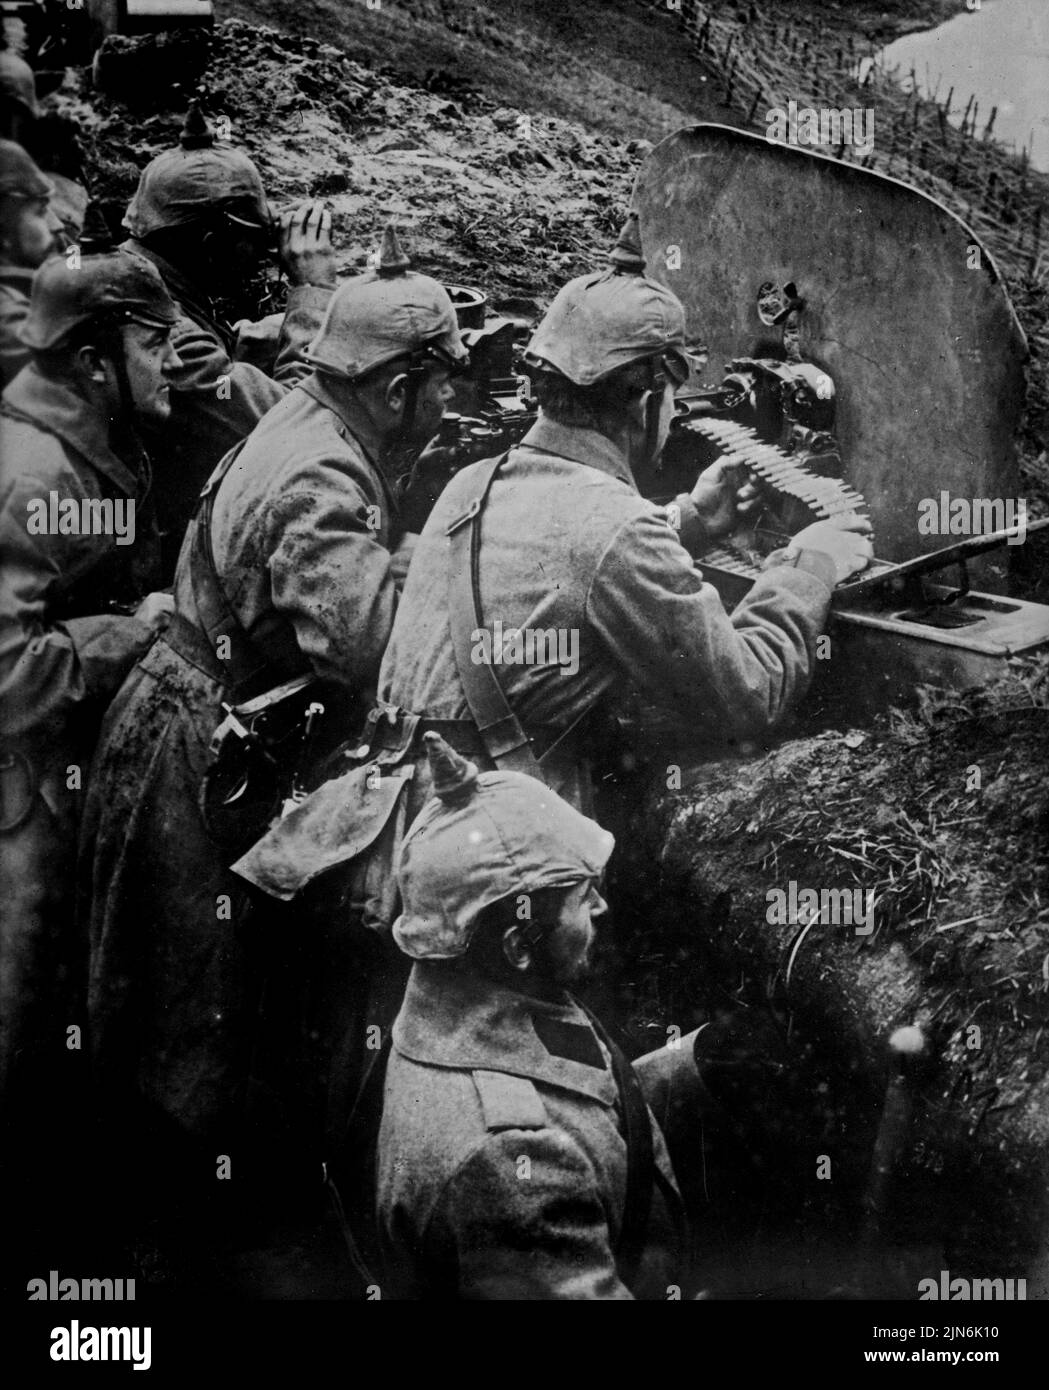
936	829
638	69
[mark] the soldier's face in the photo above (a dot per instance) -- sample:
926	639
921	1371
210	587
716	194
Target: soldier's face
430	402
25	231
150	359
564	954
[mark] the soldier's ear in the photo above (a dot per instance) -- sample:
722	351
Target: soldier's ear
517	947
90	363
395	392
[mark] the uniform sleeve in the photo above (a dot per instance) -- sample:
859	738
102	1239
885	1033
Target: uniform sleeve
523	1218
47	670
231	397
302	321
330	576
671	634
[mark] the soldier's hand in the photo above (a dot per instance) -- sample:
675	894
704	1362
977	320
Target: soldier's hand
305	247
844	539
720	500
155	609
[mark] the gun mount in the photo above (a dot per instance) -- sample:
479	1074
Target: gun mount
869	361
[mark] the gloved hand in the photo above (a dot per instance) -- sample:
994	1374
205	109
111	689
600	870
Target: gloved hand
305	247
844	540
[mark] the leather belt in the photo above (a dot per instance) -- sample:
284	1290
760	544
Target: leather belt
192	645
464	736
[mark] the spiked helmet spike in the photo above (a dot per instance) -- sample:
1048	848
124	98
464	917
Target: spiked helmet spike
454	777
196	134
393	259
626	257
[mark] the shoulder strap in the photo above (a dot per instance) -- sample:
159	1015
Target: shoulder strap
246	663
640	1158
502	733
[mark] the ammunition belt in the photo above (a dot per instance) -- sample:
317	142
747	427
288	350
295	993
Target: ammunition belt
824	497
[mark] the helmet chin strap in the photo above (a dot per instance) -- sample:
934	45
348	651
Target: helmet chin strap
418	363
416	375
653	408
112	343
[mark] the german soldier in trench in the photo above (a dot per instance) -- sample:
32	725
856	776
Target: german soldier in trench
516	1157
200	215
285	595
51	139
81	566
554	539
27	238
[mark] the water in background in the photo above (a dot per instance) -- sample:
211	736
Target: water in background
1000	54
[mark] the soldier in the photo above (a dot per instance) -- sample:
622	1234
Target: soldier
81	561
26	239
555	539
19	109
568	545
516	1155
290	572
201	216
51	140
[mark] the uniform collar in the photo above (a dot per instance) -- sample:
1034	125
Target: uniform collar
351	423
458	1020
54	407
588	447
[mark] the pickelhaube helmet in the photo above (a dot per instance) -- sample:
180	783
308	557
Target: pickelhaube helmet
18	82
483	837
19	176
386	313
181	186
610	319
115	287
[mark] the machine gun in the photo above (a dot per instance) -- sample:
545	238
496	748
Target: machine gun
866	366
492	410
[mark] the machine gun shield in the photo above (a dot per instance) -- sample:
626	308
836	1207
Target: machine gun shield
876	289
